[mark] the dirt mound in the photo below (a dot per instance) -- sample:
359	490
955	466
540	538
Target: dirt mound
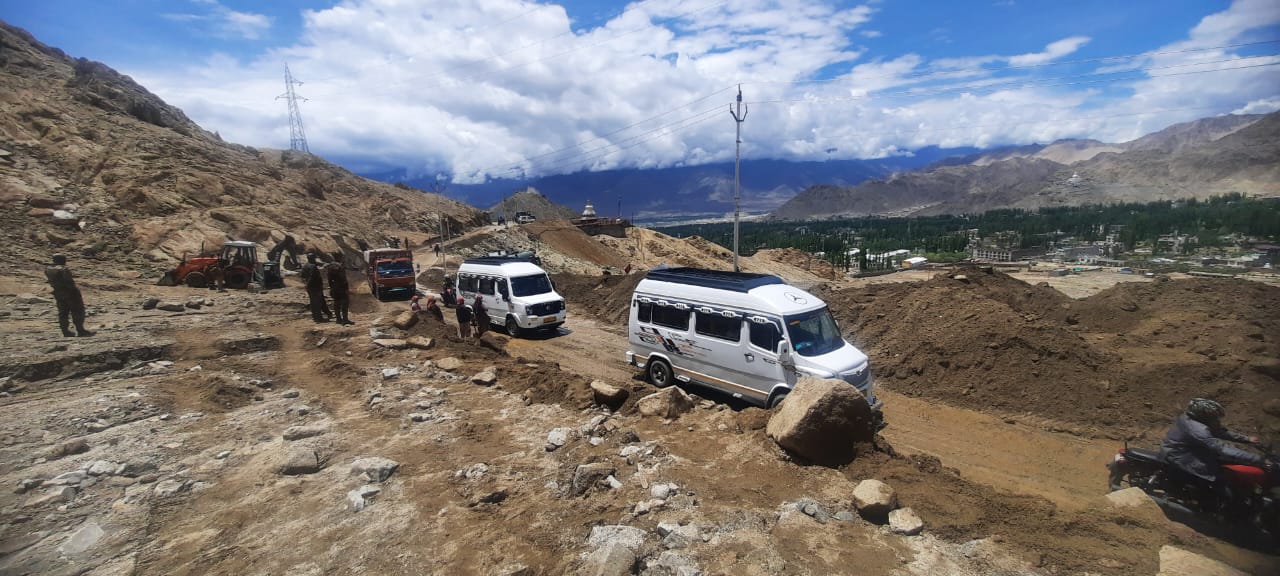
545	383
798	259
569	240
604	297
982	340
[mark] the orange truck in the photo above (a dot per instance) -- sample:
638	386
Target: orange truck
390	272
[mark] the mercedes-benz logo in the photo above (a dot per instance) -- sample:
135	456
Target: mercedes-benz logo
795	298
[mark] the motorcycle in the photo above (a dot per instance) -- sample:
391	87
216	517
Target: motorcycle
1254	500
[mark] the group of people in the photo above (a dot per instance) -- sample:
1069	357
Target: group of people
473	319
314	275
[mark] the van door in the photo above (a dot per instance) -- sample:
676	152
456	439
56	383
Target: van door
503	305
762	362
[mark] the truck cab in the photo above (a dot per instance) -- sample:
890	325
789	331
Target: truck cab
390	272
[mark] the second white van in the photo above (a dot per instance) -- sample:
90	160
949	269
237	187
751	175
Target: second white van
749	335
517	293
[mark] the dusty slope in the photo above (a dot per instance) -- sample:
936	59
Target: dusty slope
139	179
1121	362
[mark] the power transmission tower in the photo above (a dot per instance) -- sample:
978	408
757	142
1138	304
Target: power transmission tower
297	136
738	117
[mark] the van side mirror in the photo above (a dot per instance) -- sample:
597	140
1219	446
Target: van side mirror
784	355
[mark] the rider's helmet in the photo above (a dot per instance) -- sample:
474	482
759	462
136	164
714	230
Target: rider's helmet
1205	410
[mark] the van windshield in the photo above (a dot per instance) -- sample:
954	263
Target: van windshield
814	333
530	285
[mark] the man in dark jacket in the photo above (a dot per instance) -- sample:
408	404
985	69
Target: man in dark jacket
464	319
339	291
315	289
481	316
67	295
1197	444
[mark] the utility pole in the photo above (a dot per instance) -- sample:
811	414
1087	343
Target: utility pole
297	136
738	117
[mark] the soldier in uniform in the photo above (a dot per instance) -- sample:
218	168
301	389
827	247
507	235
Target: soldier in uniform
315	289
67	294
339	291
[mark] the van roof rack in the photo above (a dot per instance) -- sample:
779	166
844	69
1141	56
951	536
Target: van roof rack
735	281
501	259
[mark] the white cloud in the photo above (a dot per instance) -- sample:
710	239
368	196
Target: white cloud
219	20
1051	52
493	88
1263	106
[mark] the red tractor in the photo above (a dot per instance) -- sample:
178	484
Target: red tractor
236	267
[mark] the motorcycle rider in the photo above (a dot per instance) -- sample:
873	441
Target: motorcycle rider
1197	443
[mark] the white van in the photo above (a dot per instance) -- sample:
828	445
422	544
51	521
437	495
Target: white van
750	335
517	293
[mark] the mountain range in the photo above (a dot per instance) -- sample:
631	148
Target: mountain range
1217	155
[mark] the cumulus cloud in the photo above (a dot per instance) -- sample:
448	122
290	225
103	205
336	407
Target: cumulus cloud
507	88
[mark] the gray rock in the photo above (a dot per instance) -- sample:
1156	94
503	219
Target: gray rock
474	471
629	537
194	304
821	421
681	537
614	483
299	461
845	516
662	491
299	432
83	539
813	509
292	393
171	306
646	506
169	487
422	417
71	478
905	521
874	500
390	373
299	409
587	475
222	455
391	343
374	468
69	448
103	468
377	334
669	402
150	303
609	560
56	494
594	423
450	364
558	437
359	498
485	378
420	342
671	563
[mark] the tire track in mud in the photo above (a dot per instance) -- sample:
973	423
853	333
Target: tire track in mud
1068	470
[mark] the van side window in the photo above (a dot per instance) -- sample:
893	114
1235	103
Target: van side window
717	326
645	312
467	283
486	285
670	317
764	336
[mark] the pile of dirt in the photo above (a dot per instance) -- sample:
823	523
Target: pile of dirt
798	259
571	241
979	339
606	298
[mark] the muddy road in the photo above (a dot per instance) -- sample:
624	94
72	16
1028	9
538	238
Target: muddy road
1006	455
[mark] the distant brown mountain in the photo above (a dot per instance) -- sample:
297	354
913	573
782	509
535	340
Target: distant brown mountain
1218	155
93	164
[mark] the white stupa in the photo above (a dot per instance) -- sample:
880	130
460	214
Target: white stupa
589	211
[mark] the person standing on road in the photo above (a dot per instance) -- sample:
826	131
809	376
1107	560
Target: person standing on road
315	290
437	250
481	315
340	291
67	295
464	319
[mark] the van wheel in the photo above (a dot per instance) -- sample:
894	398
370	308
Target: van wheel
659	373
777	399
513	327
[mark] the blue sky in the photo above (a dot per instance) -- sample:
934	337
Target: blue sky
477	89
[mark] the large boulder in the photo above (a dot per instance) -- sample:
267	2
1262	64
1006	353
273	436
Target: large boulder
608	394
374	468
822	421
405	320
670	402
